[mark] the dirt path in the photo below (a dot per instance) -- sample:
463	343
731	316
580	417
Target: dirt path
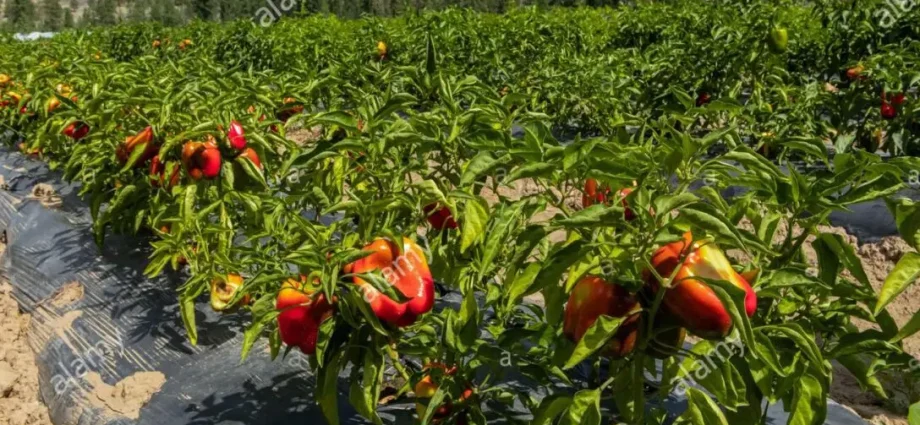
19	399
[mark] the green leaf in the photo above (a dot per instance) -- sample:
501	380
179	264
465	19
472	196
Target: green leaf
335	118
251	170
550	408
667	203
121	199
429	191
365	392
585	409
701	410
847	256
433	404
431	65
473	223
798	335
521	284
188	202
864	374
905	273
909	328
809	402
531	170
187	308
913	415
907	218
708	218
253	332
594	339
481	164
327	379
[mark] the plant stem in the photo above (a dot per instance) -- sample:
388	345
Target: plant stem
394	356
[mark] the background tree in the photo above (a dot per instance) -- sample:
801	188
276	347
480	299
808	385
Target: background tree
171	13
137	12
106	12
20	15
52	15
68	18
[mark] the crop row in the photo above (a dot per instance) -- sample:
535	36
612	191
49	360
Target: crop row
319	176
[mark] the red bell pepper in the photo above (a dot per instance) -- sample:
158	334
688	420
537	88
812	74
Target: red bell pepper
143	141
406	270
692	301
236	135
201	159
303	308
253	156
592	297
440	217
76	130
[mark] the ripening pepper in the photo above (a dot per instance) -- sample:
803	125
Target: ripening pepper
888	112
695	305
5	80
427	387
381	50
76	130
223	291
592	297
592	195
440	217
779	38
53	103
856	72
143	141
63	89
406	270
703	99
158	173
303	308
201	159
897	99
253	156
236	135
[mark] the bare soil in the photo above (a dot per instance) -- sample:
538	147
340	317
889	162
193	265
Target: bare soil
19	397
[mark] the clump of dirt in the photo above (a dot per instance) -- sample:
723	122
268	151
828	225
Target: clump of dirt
46	195
67	295
20	403
128	396
305	136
